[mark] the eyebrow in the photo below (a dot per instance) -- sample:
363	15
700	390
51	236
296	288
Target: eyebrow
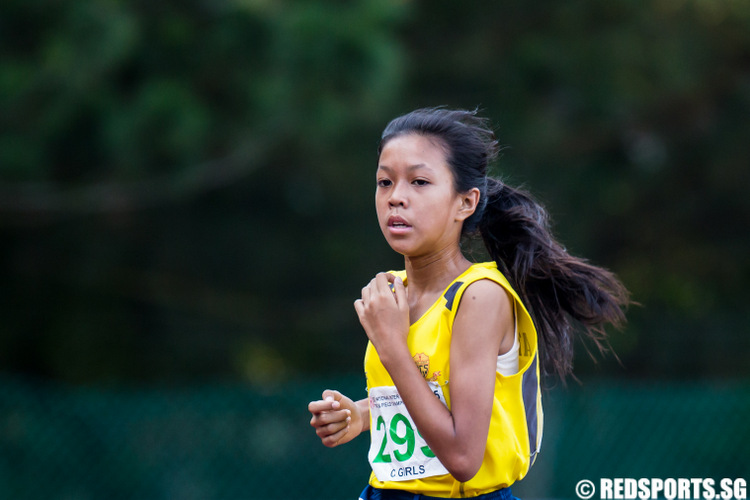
409	169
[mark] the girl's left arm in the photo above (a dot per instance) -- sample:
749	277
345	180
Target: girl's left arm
482	329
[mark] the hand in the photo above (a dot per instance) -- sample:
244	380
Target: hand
336	418
384	312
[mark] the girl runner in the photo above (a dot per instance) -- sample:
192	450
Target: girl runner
453	362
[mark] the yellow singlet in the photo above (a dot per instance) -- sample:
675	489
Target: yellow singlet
400	458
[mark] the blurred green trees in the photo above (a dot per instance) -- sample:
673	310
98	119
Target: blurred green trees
185	187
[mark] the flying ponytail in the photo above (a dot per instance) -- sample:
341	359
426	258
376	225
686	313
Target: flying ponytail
561	291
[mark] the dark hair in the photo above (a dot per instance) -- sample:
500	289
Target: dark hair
560	291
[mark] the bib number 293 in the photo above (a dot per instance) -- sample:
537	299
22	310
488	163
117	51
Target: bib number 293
398	452
401	433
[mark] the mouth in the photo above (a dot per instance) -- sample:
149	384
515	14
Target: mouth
398	225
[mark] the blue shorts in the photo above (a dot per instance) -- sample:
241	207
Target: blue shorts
371	493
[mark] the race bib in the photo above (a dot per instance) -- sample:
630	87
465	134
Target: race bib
397	450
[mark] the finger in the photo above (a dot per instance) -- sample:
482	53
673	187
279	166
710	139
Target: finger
366	293
327	423
359	306
391	280
330	401
319	406
382	283
333	433
324	420
399	291
334	397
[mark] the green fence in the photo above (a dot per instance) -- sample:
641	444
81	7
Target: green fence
235	442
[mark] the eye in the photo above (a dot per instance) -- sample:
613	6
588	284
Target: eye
384	183
420	182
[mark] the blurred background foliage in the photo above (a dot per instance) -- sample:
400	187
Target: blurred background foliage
186	186
186	217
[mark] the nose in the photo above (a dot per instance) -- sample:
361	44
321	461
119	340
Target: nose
397	196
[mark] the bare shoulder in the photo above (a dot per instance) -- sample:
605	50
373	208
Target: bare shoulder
484	295
484	321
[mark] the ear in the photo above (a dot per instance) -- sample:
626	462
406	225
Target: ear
468	202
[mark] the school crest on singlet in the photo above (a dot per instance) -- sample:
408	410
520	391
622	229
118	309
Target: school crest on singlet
423	363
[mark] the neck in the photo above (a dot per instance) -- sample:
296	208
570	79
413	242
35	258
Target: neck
435	271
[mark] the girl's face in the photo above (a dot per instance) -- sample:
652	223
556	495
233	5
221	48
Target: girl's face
419	210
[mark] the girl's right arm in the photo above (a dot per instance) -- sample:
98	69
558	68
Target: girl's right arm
337	419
